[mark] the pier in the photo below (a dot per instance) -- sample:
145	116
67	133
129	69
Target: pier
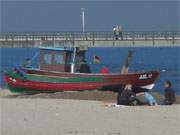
90	39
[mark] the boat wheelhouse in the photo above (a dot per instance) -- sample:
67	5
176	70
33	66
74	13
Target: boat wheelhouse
55	59
60	59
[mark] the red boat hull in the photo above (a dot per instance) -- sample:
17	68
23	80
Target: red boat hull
108	80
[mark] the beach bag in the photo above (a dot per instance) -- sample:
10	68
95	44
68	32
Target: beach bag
150	99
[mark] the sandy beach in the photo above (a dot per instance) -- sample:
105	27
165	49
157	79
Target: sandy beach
80	117
52	116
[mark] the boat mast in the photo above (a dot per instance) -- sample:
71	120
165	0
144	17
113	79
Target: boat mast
127	63
73	60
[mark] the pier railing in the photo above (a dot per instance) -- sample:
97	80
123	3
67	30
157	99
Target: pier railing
89	36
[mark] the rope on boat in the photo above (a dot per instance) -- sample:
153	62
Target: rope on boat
21	72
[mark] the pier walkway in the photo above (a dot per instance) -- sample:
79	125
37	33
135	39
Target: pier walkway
90	39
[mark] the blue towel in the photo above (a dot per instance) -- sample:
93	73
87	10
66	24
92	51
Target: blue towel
150	99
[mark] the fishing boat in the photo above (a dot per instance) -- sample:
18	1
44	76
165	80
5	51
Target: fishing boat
57	73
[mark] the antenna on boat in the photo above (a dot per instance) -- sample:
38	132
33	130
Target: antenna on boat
128	61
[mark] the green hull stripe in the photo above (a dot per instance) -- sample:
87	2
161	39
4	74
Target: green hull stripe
41	78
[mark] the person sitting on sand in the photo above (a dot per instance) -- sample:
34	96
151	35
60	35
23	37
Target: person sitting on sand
169	94
127	96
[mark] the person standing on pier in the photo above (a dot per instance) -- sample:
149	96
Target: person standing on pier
116	33
120	30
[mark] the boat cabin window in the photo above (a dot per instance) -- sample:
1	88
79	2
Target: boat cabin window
58	59
47	58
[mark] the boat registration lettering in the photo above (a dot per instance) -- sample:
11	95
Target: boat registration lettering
145	76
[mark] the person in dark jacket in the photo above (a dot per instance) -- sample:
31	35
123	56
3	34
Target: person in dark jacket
127	96
169	94
84	67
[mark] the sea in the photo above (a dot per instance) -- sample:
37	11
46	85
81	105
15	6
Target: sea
164	59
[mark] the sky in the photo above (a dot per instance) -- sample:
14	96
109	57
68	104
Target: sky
100	15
